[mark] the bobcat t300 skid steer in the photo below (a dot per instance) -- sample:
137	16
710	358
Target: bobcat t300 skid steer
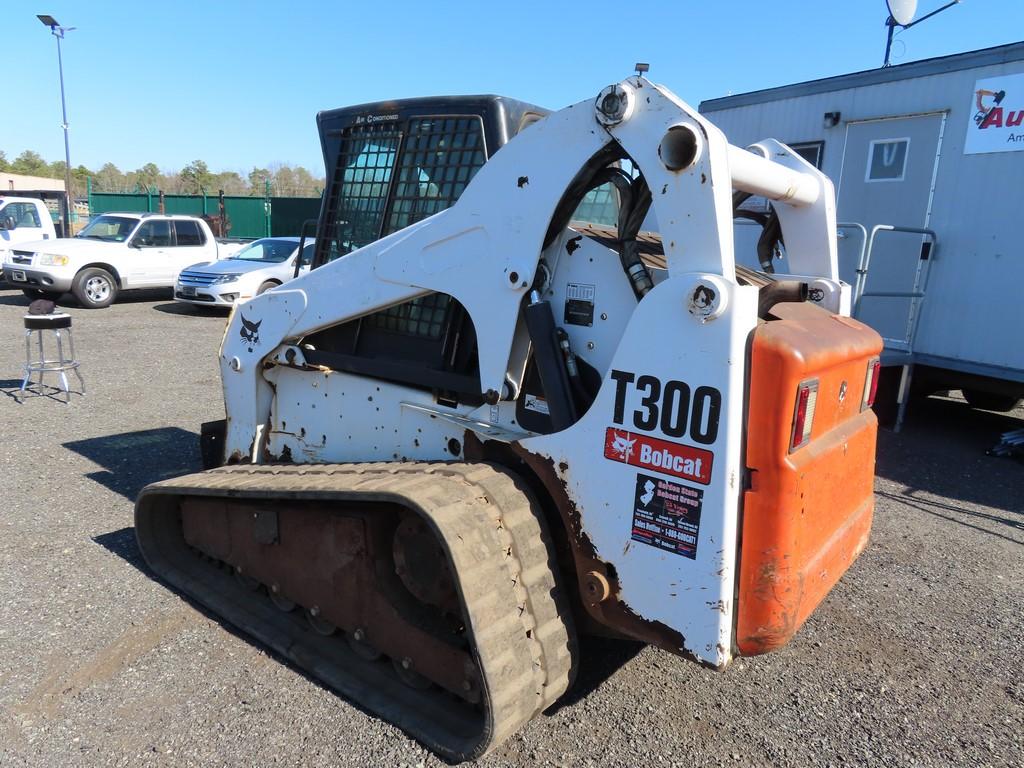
451	449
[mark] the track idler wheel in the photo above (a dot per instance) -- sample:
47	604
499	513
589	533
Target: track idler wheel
422	564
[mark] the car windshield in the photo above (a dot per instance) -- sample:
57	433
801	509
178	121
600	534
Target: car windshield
114	229
269	251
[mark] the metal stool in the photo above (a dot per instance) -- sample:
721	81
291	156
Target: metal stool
59	324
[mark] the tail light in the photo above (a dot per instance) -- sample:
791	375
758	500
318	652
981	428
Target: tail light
871	383
803	414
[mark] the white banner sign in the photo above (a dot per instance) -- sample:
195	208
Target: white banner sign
997	116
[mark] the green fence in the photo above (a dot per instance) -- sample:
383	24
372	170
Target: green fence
247	216
287	214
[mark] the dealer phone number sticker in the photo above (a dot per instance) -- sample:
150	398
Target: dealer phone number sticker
666	515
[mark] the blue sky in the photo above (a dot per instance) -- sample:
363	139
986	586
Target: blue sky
238	84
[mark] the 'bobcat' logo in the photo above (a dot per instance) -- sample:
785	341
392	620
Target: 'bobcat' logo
250	332
623	446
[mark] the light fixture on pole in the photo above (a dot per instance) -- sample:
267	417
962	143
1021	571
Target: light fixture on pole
58	31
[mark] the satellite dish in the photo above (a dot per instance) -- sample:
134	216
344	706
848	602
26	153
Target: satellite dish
902	11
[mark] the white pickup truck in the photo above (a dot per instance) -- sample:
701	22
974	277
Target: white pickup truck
23	219
115	252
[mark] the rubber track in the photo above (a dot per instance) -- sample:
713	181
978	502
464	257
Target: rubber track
500	549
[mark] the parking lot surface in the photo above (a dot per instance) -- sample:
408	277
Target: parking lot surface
915	658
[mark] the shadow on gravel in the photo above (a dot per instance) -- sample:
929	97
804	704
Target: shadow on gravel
11	388
18	299
941	451
140	295
936	508
178	308
600	658
133	460
122	543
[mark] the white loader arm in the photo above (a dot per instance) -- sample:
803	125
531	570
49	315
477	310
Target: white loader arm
484	251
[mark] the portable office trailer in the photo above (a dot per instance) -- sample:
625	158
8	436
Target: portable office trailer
929	145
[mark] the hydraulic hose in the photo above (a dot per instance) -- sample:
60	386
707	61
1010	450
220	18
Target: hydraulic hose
634	202
771	230
583	397
778	292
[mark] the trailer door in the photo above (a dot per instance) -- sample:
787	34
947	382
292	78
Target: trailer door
888	177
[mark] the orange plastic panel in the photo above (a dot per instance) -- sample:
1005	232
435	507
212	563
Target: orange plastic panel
807	513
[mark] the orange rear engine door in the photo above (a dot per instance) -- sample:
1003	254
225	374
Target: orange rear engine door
807	512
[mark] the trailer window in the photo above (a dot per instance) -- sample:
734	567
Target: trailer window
811	151
887	159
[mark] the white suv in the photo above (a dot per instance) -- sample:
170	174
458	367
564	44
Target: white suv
114	252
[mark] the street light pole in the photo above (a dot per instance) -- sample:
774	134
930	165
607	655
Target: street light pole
58	31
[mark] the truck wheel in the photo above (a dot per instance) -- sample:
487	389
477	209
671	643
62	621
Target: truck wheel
990	401
267	286
37	293
94	288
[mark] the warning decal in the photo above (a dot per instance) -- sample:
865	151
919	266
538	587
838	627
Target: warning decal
659	455
536	403
666	515
579	304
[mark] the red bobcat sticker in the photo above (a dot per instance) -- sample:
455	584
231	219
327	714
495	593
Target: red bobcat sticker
659	455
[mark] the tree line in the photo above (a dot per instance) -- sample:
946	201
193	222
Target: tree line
194	179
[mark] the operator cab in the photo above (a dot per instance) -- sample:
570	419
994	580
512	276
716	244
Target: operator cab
390	165
394	163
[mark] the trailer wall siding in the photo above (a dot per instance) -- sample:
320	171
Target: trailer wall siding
973	314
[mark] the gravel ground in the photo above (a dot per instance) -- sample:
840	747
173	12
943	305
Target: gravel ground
914	659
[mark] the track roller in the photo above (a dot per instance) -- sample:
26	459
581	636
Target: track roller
282	602
357	642
319	623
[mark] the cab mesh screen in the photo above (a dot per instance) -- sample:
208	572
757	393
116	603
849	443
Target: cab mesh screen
440	156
